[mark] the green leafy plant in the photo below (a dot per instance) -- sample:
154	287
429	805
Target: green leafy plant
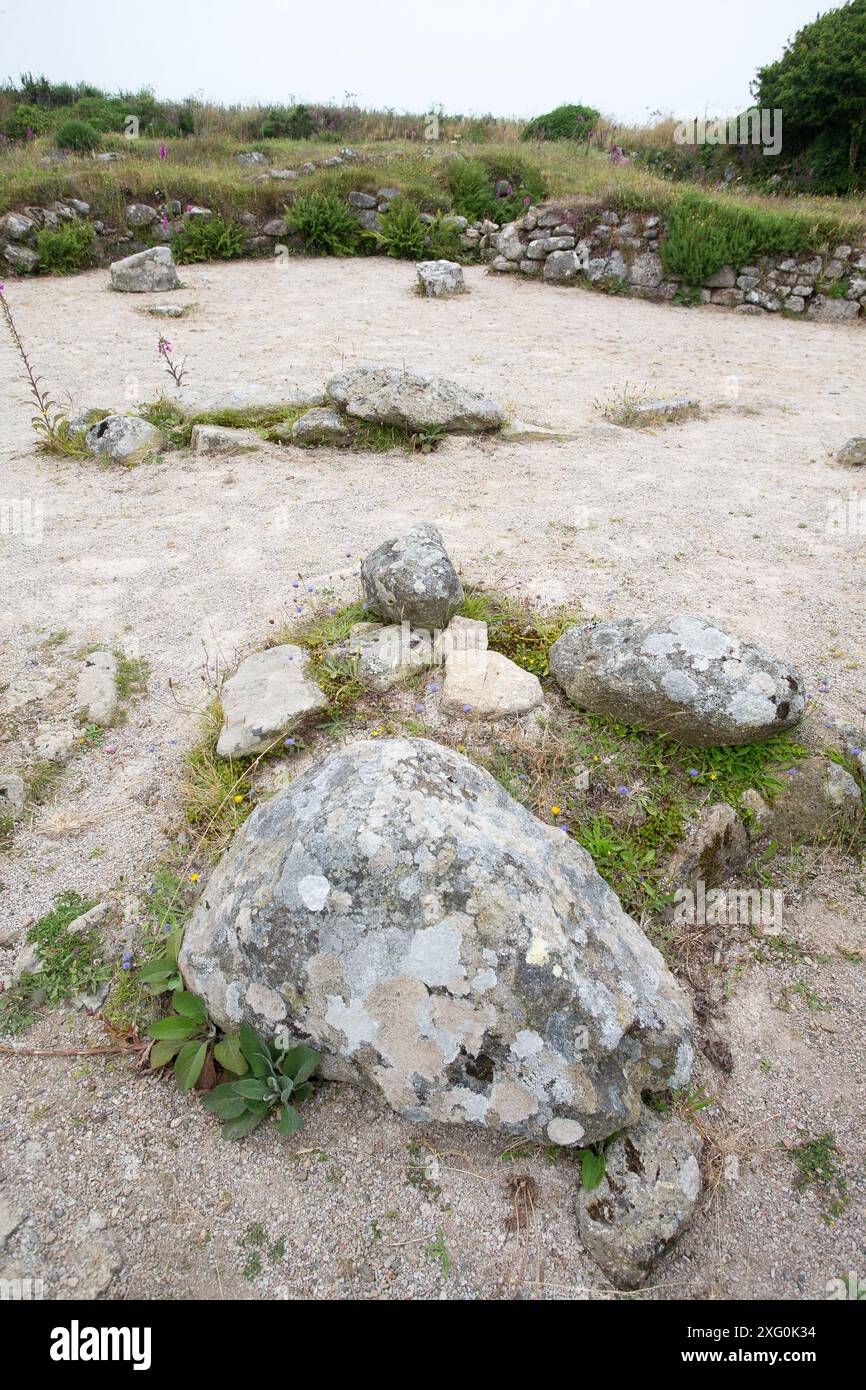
401	231
705	233
207	239
162	972
593	1162
325	223
278	1081
65	250
187	1036
77	136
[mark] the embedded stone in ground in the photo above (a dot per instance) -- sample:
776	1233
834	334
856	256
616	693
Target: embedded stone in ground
153	269
13	794
411	578
124	439
323	426
854	453
216	439
263	699
817	796
97	688
645	1200
679	675
412	400
451	951
485	684
387	653
440	279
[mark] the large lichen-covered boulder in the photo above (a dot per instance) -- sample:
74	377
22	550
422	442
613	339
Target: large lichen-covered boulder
651	1186
680	675
412	400
153	269
410	578
397	907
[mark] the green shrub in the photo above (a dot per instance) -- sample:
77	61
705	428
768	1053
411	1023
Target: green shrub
77	136
704	233
563	123
68	249
101	113
207	239
401	232
494	186
325	223
24	118
443	240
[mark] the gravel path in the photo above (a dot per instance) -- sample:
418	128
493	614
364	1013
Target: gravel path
120	1182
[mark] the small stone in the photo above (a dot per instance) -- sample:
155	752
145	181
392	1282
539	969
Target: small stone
140	215
645	1200
853	455
411	578
216	439
323	426
266	695
385	654
440	279
124	439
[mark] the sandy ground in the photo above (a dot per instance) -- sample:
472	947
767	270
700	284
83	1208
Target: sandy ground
120	1183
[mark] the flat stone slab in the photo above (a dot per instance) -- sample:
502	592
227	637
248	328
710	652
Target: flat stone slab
254	397
216	439
412	400
97	688
266	695
488	685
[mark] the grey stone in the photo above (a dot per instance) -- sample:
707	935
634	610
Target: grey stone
369	219
412	400
140	214
216	439
680	675
153	269
535	268
713	847
323	426
264	698
829	310
770	302
854	453
561	267
410	578
202	214
542	246
724	279
362	200
440	279
748	282
503	266
283	173
252	159
21	258
487	685
522	432
456	955
165	311
508	242
16	226
645	1200
276	227
124	439
13	794
96	695
646	271
817	797
385	654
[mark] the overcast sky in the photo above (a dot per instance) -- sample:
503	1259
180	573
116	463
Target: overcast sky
628	58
